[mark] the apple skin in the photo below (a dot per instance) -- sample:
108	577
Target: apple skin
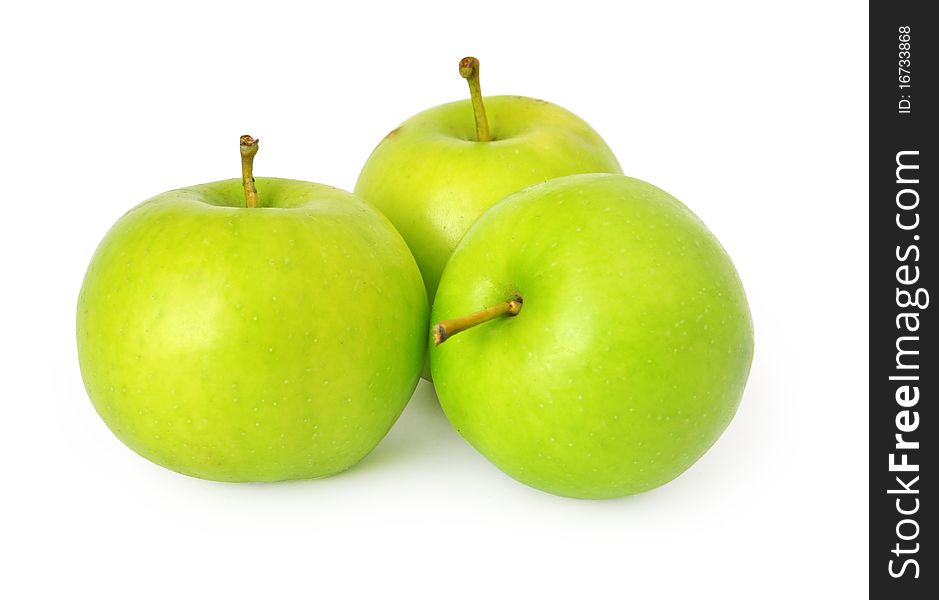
252	344
433	179
630	353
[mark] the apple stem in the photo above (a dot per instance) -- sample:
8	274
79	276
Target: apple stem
469	70
249	147
450	327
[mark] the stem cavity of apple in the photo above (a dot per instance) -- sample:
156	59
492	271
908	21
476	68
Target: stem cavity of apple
469	70
249	147
450	327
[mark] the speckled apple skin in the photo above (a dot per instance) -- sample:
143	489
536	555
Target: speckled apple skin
433	179
631	351
236	344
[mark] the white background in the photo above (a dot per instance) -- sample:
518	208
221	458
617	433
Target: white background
754	115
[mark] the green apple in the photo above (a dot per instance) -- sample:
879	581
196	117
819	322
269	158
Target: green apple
266	333
606	338
435	174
